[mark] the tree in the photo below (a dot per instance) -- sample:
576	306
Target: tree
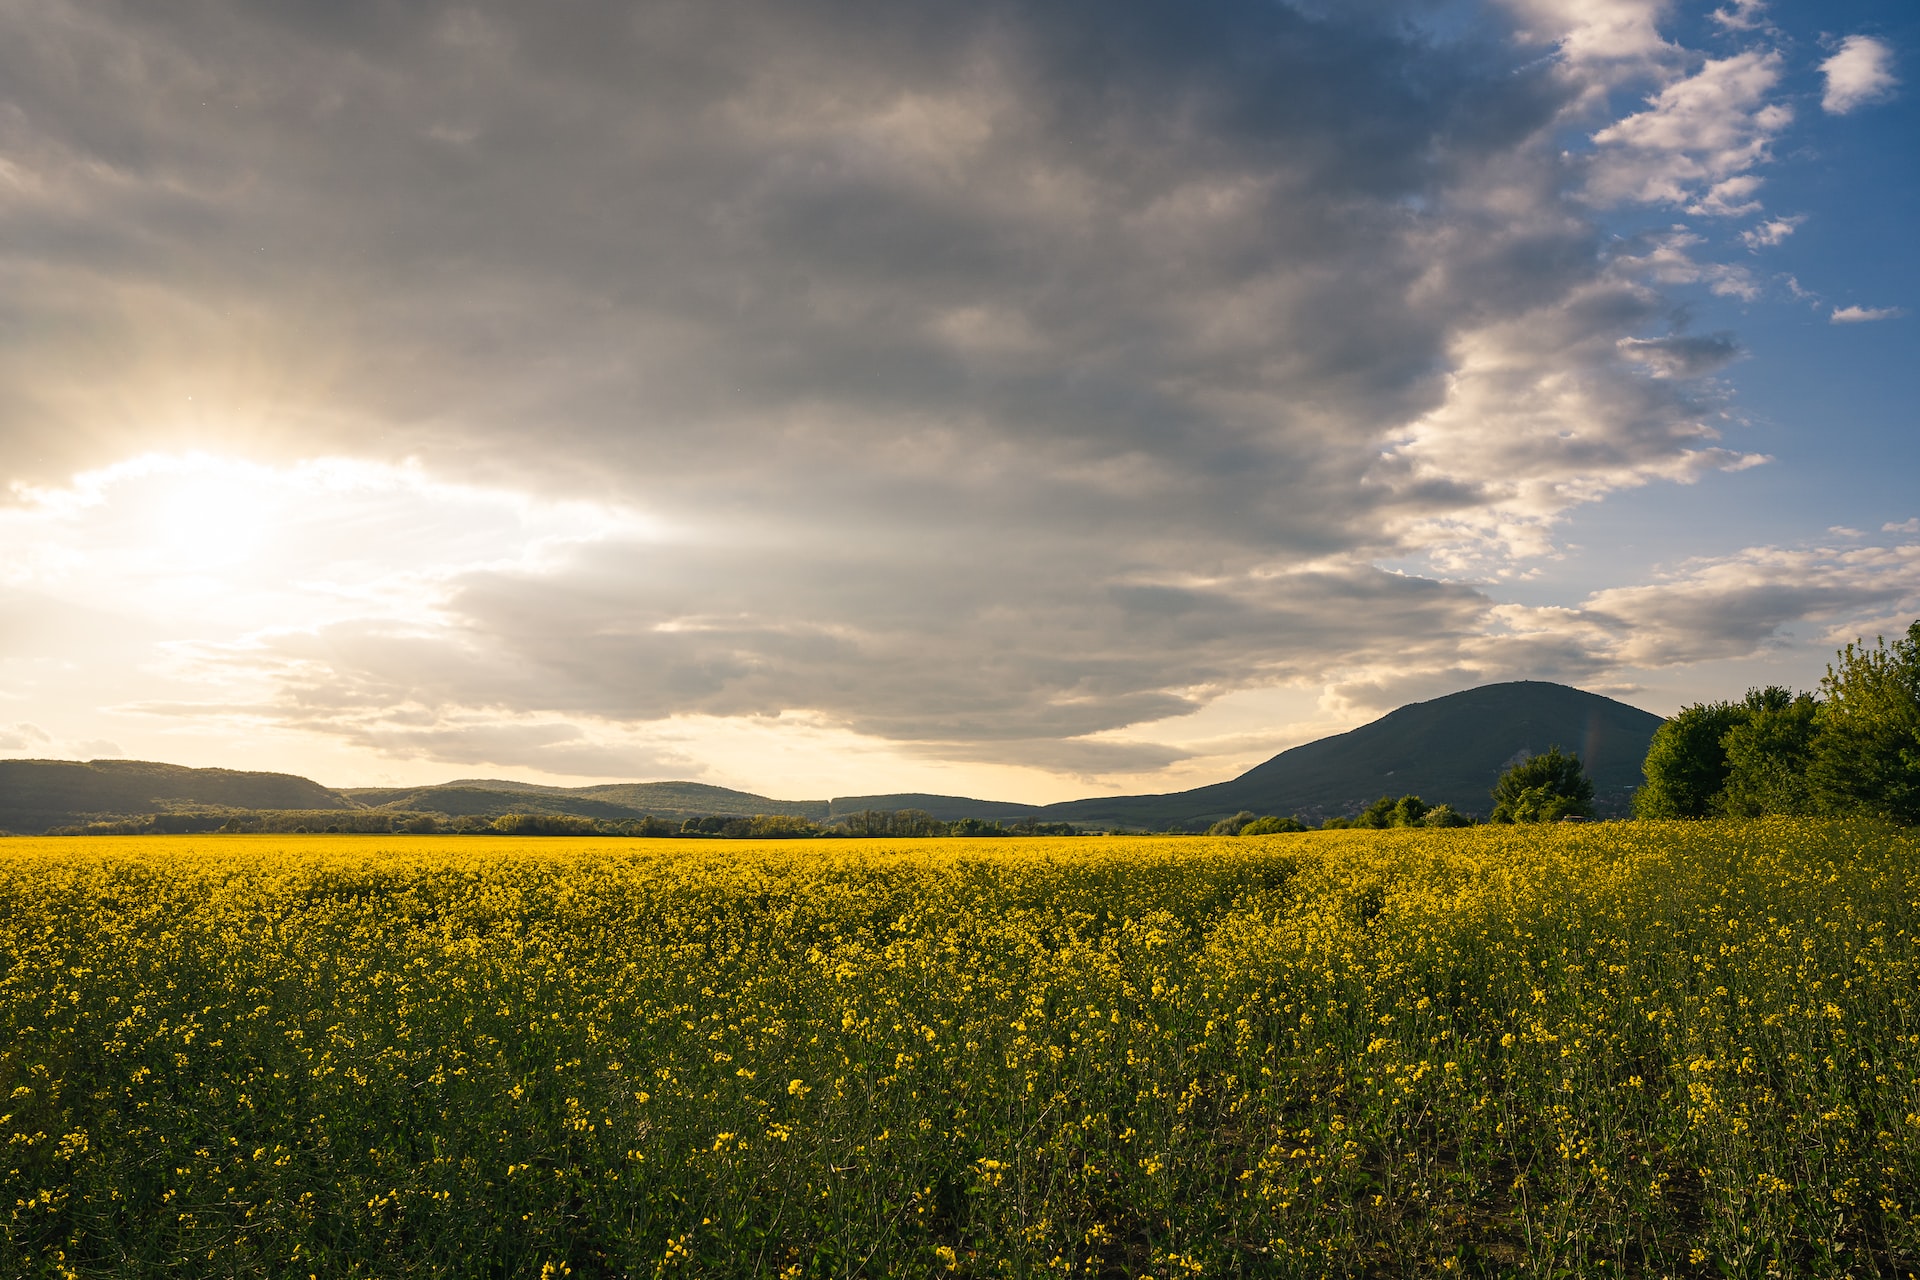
1407	811
1768	756
1231	826
1866	757
1444	815
780	826
1272	826
1376	815
1543	789
1686	765
543	824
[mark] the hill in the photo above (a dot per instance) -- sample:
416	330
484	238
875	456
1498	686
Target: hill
615	801
944	808
38	794
1447	751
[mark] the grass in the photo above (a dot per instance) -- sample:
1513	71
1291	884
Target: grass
1622	1048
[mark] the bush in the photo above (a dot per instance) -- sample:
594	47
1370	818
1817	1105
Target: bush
1543	789
1271	826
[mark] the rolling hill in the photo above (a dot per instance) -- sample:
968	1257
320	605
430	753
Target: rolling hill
1447	751
38	794
490	798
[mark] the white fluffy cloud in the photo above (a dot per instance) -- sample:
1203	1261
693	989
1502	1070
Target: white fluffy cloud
1770	233
1858	73
1865	315
1742	15
1696	140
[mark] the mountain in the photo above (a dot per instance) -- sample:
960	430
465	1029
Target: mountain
38	794
1447	751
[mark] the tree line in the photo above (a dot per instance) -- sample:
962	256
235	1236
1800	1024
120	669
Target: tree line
1852	747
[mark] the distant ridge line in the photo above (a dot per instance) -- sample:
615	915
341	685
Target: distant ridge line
1447	750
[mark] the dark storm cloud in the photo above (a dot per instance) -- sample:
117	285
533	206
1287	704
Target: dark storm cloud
654	235
1016	372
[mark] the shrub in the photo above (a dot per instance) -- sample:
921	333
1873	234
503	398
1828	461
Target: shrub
1543	789
1272	826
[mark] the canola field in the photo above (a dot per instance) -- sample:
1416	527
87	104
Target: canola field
1637	1049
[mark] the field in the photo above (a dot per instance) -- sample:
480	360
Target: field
1618	1048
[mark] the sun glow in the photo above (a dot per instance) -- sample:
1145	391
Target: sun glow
283	545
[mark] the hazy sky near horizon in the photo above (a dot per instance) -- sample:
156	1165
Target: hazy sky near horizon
1026	400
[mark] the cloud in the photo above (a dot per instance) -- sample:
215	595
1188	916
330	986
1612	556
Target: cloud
1733	607
1860	72
1701	132
451	381
1865	315
1742	15
1771	232
24	737
1681	356
886	653
1905	526
1729	198
1599	42
1667	257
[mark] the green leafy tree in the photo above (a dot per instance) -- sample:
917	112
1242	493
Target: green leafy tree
1769	754
898	822
1231	826
1272	826
1867	755
1377	815
780	826
1686	766
1445	815
543	824
1543	789
1385	812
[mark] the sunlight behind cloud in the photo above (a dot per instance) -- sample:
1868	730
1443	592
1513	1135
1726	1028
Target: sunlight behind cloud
266	546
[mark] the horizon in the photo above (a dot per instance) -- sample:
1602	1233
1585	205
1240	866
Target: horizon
479	781
1026	402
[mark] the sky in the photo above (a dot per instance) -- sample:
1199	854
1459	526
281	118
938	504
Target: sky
1018	400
